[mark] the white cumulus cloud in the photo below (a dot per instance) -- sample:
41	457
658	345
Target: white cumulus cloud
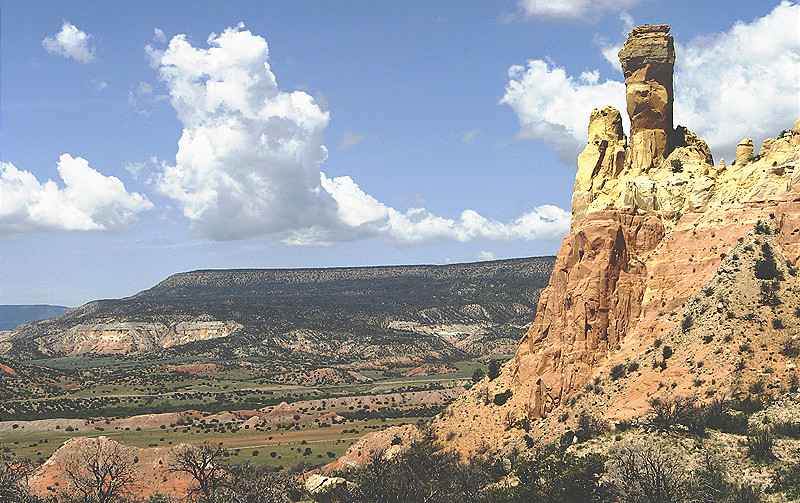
369	217
555	107
89	201
249	158
743	82
248	161
586	10
70	42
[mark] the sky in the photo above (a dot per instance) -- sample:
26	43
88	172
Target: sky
141	139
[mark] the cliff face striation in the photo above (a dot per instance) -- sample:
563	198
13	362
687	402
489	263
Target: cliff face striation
653	222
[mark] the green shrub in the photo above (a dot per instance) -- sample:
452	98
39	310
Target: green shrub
787	480
676	165
765	267
786	429
763	228
590	426
719	417
502	398
560	477
666	352
494	369
529	442
749	405
759	445
633	367
623	425
617	371
756	388
687	322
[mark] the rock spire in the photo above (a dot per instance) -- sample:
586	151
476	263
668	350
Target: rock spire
648	59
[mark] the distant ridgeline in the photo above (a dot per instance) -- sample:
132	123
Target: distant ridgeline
297	317
14	315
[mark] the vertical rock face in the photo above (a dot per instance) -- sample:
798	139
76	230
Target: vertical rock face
648	58
603	159
653	221
593	298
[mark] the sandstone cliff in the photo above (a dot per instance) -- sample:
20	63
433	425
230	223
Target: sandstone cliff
653	222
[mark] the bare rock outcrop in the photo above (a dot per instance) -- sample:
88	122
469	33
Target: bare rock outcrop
379	444
648	58
744	151
653	223
594	297
121	338
603	158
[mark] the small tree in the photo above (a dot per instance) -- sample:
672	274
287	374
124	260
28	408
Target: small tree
259	484
510	420
201	462
14	473
648	474
477	375
561	477
494	369
100	470
667	413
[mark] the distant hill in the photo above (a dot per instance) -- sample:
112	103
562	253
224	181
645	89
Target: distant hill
13	315
295	317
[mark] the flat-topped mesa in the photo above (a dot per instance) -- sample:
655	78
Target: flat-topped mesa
648	59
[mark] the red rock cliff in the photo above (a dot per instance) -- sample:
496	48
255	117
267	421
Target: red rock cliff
653	223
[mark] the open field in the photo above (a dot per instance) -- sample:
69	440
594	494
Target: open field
303	443
172	402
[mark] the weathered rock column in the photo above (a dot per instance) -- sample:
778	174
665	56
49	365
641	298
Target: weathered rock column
603	159
648	59
744	151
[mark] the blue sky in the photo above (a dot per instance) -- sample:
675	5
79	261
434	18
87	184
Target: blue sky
140	139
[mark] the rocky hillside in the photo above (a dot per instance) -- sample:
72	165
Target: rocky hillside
678	277
322	316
